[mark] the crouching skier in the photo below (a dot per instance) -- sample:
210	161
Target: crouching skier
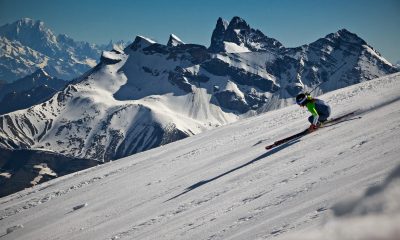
319	109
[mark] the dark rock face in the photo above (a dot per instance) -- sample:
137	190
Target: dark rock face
239	76
232	102
194	53
36	79
155	48
21	169
177	78
28	91
20	100
237	31
240	33
218	35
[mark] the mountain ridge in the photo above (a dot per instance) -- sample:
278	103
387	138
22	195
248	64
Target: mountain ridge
149	94
38	79
27	45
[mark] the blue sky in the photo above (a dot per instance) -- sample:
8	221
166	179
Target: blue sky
292	22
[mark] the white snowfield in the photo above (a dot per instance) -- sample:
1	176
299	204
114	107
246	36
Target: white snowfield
223	184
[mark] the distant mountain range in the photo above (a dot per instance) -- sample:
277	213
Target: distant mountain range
27	45
149	94
28	91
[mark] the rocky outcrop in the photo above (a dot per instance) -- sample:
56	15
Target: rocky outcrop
20	169
241	34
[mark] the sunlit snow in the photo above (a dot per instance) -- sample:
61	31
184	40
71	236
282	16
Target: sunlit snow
223	184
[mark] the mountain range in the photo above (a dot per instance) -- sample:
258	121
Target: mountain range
27	45
28	91
149	94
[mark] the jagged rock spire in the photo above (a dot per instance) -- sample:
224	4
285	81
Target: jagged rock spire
218	34
241	34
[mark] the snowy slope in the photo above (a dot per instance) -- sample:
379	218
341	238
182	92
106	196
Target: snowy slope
375	214
222	184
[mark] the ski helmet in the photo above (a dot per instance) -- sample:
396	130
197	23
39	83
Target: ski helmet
301	99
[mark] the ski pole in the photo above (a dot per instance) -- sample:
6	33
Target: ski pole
309	93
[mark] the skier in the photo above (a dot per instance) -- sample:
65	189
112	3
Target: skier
319	109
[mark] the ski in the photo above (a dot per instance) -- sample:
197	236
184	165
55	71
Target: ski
282	141
328	123
339	119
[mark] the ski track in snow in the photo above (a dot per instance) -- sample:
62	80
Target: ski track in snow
222	184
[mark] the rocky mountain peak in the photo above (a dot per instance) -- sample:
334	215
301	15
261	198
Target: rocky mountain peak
344	35
222	23
238	23
217	37
240	33
33	34
25	28
174	41
30	23
141	42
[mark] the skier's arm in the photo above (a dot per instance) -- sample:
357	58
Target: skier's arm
313	111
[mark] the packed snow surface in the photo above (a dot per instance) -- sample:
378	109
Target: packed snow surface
223	184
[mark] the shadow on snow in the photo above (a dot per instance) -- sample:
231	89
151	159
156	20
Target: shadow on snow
267	154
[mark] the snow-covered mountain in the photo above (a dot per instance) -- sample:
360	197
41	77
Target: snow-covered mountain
174	41
222	184
28	91
26	45
150	94
38	78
